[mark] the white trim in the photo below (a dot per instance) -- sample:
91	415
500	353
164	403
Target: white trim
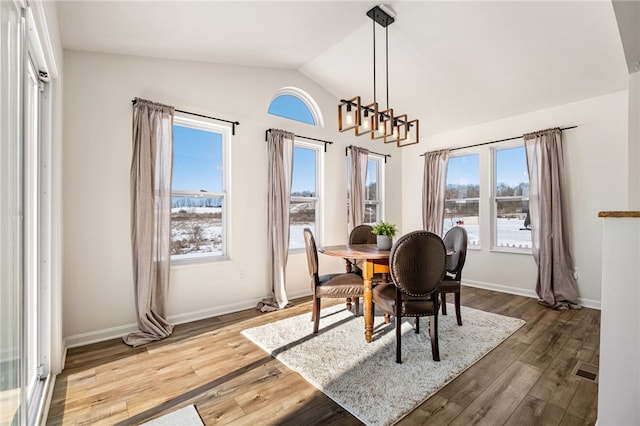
587	303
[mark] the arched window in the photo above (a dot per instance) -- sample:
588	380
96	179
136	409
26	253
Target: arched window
296	104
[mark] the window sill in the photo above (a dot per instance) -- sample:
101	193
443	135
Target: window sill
197	260
513	250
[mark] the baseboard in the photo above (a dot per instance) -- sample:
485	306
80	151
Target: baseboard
587	303
119	331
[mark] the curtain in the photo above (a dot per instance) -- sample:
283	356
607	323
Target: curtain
357	182
556	286
151	168
280	152
433	190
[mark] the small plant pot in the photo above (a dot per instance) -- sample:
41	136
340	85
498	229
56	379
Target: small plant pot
384	242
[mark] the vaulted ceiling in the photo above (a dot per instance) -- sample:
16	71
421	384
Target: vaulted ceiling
451	63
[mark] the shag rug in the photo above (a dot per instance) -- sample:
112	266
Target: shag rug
186	416
363	377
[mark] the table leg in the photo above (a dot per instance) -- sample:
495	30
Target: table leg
367	275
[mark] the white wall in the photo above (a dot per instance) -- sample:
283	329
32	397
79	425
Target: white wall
98	287
596	160
634	141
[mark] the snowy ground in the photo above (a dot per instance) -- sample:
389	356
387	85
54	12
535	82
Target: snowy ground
510	234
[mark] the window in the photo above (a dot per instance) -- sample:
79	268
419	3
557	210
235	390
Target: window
304	192
373	189
296	104
511	199
198	195
462	197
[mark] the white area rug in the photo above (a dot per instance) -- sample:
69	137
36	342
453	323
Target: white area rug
364	377
186	416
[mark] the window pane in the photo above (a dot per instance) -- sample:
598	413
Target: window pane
196	225
463	177
302	214
289	106
462	206
512	224
303	183
512	176
371	182
370	213
512	214
463	213
197	160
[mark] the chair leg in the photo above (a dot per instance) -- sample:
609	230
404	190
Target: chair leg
417	325
348	303
387	318
458	315
398	338
356	301
398	314
316	314
433	334
444	303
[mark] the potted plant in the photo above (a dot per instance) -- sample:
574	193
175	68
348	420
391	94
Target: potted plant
385	232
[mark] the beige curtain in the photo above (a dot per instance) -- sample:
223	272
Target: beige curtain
151	168
357	184
556	286
280	152
434	187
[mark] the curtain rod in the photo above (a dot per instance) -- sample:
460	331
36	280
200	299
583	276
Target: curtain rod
266	132
233	123
501	140
377	153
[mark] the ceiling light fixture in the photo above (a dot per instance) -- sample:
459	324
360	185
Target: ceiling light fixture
368	119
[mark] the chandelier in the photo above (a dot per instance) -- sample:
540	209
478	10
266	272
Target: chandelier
369	119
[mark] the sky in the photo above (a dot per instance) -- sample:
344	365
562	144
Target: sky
197	160
512	168
195	151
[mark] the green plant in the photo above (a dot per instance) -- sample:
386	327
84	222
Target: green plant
384	228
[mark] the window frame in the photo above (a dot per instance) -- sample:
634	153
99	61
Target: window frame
517	143
319	149
225	131
464	153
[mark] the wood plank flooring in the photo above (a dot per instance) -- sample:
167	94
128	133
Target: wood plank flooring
527	380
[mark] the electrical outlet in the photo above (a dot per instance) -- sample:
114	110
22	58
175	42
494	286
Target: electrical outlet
575	274
242	275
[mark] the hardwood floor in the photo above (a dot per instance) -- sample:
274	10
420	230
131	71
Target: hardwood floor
527	380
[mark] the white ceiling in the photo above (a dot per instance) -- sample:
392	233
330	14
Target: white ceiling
451	63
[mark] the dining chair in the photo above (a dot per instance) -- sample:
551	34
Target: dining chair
344	284
455	241
417	264
361	234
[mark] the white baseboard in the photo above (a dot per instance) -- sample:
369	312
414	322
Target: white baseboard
122	330
587	303
119	331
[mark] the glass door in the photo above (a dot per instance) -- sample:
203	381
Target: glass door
12	411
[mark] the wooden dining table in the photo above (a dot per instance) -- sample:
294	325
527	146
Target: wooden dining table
374	261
